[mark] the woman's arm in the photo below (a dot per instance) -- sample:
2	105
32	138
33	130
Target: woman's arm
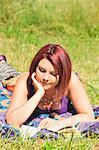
20	108
79	99
81	103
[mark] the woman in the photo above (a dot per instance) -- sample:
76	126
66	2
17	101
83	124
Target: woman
46	89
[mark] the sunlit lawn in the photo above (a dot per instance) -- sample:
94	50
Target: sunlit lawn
25	26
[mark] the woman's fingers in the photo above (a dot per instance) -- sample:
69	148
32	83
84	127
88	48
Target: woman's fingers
36	84
43	124
47	123
50	124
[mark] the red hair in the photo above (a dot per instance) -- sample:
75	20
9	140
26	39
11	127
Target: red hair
60	61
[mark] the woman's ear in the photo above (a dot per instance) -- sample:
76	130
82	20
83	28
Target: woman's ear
57	79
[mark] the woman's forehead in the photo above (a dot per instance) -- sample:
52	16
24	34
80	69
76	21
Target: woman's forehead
45	63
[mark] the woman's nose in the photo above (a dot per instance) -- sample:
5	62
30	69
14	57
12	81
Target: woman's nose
45	78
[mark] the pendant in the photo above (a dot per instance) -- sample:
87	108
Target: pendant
48	106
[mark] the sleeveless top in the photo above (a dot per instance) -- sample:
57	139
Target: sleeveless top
38	111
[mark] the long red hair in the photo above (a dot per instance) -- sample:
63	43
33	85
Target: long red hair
60	61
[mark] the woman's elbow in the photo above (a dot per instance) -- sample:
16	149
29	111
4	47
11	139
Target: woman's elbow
10	119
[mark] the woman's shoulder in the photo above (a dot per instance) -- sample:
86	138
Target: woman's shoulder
23	76
75	83
21	82
70	83
74	78
73	74
22	79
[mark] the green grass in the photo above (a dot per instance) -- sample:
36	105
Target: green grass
64	143
25	26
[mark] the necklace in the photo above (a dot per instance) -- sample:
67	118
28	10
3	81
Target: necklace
47	103
48	106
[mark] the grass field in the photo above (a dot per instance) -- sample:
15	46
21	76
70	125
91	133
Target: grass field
26	26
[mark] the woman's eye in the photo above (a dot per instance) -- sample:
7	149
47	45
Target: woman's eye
42	70
53	73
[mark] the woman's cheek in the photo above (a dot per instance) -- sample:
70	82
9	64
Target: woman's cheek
38	76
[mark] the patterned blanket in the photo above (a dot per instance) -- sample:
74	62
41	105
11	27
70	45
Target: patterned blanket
7	130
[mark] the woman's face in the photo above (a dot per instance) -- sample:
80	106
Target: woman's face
46	74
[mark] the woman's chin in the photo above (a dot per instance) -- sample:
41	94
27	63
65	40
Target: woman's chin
46	87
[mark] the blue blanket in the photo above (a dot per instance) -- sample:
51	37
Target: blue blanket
7	130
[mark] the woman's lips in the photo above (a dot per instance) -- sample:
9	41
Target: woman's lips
43	83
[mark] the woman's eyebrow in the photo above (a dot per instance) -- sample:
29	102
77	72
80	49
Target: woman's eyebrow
54	72
41	67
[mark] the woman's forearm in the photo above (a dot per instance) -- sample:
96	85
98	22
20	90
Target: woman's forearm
22	113
61	122
76	118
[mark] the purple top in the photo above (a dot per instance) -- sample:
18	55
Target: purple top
38	111
62	110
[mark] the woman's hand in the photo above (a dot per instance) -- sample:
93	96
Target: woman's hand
37	85
51	124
